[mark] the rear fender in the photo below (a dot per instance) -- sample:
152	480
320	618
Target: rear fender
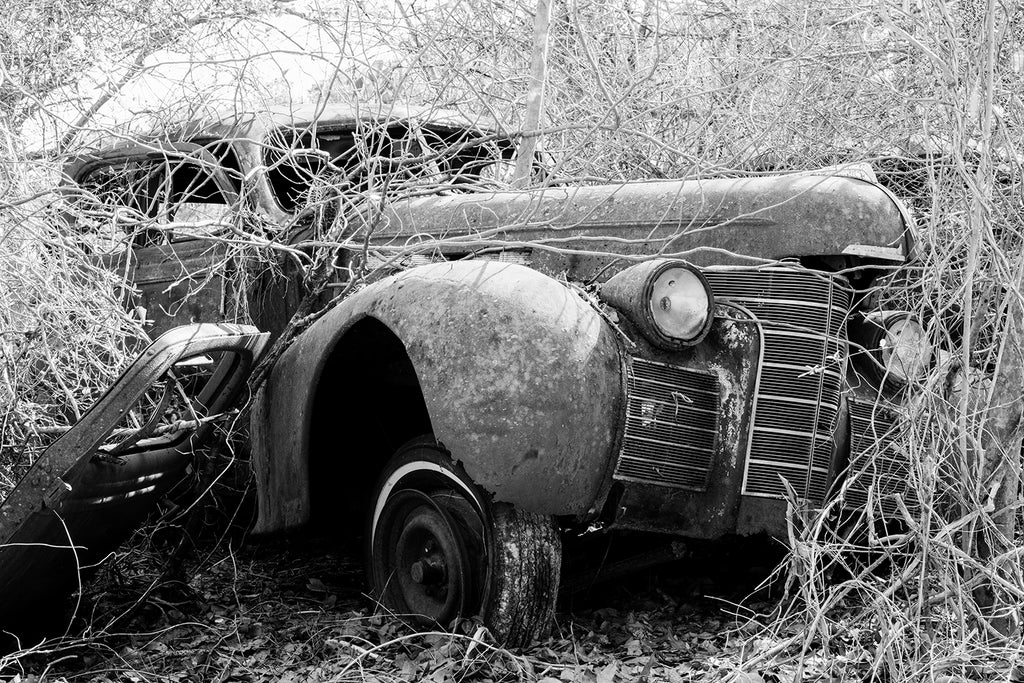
521	377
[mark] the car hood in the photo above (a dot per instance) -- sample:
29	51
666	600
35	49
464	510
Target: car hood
704	221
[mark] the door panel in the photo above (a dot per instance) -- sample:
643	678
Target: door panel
99	481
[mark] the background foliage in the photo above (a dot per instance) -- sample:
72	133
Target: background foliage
926	91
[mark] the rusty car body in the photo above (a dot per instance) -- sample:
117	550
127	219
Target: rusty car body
672	356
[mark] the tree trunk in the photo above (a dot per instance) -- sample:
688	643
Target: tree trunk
534	95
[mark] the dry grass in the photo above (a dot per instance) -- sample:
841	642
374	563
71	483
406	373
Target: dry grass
64	333
927	91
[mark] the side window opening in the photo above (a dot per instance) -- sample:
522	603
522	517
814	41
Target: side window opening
120	200
173	407
192	197
371	157
294	160
490	161
137	196
349	159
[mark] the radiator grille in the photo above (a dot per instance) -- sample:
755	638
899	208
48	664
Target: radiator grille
803	319
876	460
671	426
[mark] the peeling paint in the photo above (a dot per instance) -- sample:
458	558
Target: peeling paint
523	402
734	339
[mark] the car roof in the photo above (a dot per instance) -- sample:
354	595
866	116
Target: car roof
235	123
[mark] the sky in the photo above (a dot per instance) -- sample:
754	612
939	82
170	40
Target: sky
252	63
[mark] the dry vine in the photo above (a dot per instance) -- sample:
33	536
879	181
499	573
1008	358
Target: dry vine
926	92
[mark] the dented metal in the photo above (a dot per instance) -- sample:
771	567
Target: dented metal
707	222
521	378
730	352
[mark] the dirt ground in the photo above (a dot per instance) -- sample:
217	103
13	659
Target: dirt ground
295	609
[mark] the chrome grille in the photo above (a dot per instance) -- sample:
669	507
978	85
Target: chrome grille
796	407
875	458
671	426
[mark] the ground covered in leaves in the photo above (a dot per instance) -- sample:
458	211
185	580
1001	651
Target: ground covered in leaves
295	609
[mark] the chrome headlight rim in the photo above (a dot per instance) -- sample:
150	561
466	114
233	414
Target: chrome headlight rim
631	292
663	337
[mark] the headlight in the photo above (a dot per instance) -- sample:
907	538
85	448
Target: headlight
669	300
896	342
904	349
680	302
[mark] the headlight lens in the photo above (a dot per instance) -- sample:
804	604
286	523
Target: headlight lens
669	301
904	348
680	303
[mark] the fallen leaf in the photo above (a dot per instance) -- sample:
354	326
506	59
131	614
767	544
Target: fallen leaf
442	674
680	676
748	677
648	667
607	674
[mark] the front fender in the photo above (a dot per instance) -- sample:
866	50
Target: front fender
521	377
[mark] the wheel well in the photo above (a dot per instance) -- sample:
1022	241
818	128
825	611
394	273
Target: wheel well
368	403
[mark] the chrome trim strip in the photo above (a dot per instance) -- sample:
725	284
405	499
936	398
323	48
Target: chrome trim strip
823	338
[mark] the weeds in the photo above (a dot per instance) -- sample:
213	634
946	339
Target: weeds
926	92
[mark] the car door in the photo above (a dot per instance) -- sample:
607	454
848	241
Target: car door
99	480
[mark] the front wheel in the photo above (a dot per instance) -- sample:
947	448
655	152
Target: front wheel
441	551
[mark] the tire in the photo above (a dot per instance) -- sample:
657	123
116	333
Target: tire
441	552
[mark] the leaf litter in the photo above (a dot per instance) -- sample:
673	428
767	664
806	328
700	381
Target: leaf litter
294	609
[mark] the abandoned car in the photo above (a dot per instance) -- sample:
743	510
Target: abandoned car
671	356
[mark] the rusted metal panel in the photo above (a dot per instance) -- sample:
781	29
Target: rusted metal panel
716	221
762	516
190	281
77	503
522	380
731	351
803	318
181	283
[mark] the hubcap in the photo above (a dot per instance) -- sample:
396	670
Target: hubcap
431	569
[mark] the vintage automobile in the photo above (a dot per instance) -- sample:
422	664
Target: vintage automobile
676	356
